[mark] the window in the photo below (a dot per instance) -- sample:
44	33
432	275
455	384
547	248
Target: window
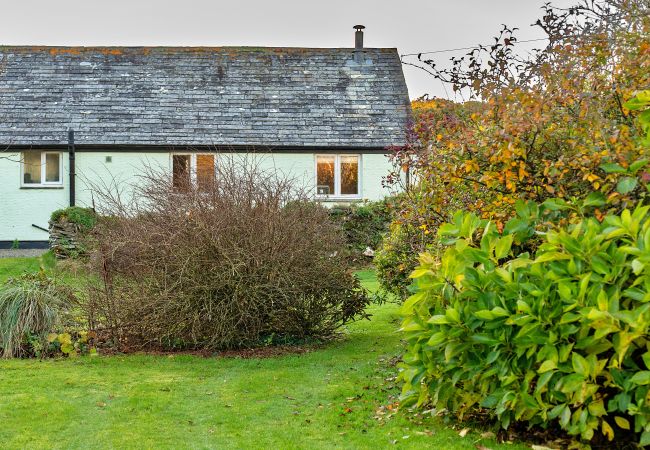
181	171
337	175
197	168
41	169
204	171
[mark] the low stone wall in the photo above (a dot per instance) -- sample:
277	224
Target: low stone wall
64	239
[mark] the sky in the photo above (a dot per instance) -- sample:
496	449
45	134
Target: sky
411	26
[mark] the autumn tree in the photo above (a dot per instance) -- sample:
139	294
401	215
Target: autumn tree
550	124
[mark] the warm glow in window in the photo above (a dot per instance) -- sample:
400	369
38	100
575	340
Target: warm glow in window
325	174
337	175
349	175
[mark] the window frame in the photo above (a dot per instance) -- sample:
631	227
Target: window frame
43	183
193	164
337	177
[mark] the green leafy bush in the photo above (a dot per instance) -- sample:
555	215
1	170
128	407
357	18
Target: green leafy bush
395	259
84	217
364	225
70	344
31	307
558	338
641	103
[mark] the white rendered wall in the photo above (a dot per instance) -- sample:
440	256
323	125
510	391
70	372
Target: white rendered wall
22	207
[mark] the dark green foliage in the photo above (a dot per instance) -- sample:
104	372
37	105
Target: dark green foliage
86	218
558	337
364	225
396	259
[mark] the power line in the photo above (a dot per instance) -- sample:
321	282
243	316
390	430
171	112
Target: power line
515	41
471	48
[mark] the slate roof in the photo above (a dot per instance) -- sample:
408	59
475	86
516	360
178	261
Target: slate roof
202	96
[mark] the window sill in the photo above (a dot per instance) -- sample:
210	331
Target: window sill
339	199
43	186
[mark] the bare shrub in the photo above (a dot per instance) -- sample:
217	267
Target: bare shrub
226	264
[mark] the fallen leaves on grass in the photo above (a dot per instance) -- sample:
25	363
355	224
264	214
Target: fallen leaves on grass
482	447
424	433
385	412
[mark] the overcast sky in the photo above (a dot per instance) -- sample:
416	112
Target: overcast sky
410	25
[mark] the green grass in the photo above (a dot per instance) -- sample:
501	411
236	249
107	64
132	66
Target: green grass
327	398
14	267
368	279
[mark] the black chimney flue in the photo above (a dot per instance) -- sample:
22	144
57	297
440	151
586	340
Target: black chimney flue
358	43
358	37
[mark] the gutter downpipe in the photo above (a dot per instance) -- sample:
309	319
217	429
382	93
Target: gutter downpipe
71	154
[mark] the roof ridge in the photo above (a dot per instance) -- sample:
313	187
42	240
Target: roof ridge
178	47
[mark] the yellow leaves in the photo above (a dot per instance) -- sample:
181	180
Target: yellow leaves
621	422
607	430
471	166
522	171
526	143
419	105
613	197
594	179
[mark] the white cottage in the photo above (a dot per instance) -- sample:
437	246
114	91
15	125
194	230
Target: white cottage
73	114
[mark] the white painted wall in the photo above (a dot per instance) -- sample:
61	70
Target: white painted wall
22	207
123	170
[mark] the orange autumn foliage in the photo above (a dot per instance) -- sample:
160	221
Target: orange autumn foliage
529	129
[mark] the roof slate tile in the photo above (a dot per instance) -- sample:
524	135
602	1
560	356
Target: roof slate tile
202	96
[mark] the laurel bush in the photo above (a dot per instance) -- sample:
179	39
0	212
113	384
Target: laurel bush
558	336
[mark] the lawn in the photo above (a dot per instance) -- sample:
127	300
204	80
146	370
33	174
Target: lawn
13	267
326	398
